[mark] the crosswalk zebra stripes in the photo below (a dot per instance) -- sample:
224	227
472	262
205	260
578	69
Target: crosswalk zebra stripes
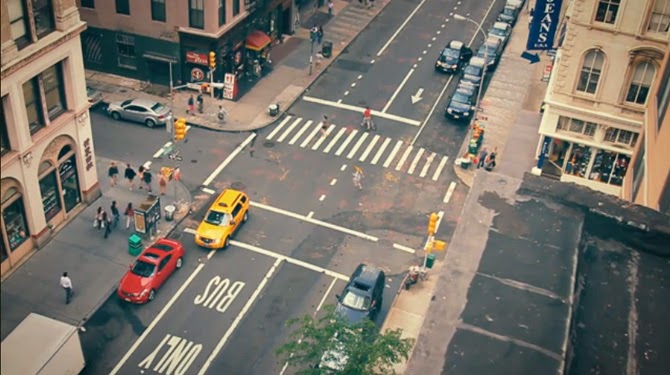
362	146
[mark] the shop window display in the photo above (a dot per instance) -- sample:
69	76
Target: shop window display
14	220
609	167
50	199
579	159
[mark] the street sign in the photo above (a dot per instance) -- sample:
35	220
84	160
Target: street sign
544	25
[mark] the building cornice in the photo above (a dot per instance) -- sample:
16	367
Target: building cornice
595	114
656	39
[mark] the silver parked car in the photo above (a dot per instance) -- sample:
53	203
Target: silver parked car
94	96
144	111
502	31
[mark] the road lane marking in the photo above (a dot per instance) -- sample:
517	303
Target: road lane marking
356	109
147	165
311	135
372	61
289	129
310	214
400	28
440	166
403	158
323	299
380	151
412	166
429	161
162	150
450	191
279	127
322	197
300	132
314	221
323	138
229	159
357	145
359	77
189	230
404	248
334	141
343	167
333	181
208	190
353	84
339	101
369	148
390	158
239	318
346	142
346	93
397	90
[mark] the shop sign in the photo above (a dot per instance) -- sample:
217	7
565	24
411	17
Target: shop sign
197	75
88	154
196	58
547	72
229	86
544	24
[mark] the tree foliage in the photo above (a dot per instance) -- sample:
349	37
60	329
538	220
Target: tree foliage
359	348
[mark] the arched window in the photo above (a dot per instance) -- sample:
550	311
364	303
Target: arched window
659	21
640	83
590	73
64	151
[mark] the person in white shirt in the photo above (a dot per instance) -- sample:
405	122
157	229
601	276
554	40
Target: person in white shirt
66	284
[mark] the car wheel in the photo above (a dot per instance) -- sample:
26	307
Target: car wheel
246	217
226	242
180	262
152	294
116	116
150	123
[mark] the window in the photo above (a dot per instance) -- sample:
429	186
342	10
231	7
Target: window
577	126
43	15
609	167
222	12
18	22
236	7
31	95
158	10
123	7
196	14
620	136
591	69
5	147
88	4
663	96
46	91
638	171
607	11
14	218
125	50
659	22
640	83
54	91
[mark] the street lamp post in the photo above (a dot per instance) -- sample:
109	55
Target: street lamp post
481	82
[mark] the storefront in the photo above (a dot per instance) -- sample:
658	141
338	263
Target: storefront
59	185
15	233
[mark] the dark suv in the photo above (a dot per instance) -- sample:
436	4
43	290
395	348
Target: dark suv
461	104
362	297
452	57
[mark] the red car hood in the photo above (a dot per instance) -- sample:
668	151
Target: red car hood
132	283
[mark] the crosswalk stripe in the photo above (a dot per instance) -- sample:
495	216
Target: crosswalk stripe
440	166
380	151
369	149
403	159
430	159
289	130
357	145
311	135
334	141
346	142
390	158
278	128
300	132
322	138
412	166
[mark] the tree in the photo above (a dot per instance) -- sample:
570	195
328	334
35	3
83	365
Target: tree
346	348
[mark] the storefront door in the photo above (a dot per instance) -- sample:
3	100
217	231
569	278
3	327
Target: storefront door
15	227
67	170
50	197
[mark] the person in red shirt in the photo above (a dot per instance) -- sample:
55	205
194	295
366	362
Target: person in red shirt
367	119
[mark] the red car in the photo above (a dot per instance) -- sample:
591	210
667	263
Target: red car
150	271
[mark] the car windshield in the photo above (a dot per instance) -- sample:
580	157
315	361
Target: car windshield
473	70
217	218
450	52
498	32
355	301
508	12
488	51
461	98
143	269
158	107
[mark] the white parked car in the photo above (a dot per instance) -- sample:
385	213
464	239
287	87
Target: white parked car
502	31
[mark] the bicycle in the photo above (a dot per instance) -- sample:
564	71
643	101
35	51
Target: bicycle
175	155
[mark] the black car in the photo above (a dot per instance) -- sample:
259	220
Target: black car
509	15
472	74
362	297
461	104
452	57
490	51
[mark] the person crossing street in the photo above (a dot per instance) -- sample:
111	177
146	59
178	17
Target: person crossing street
368	123
358	176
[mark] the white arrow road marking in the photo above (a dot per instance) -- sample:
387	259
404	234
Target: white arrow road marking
417	97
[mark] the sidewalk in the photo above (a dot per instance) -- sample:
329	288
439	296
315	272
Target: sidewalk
95	264
286	82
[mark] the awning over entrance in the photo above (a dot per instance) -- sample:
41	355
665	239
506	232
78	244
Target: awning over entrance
158	57
257	40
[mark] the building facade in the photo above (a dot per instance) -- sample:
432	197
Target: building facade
48	163
603	73
648	180
146	40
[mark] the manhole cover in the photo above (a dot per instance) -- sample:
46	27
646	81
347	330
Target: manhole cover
237	185
193	161
268	144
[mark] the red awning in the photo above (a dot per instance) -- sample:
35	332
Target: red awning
257	40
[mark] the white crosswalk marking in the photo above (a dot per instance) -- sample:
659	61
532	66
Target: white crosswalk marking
311	135
395	150
334	141
412	166
369	148
289	130
440	166
357	145
300	132
278	128
403	158
346	142
380	151
322	138
430	159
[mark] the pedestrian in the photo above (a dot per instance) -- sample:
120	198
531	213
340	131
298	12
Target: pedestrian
162	183
325	124
491	160
360	3
482	157
201	103
113	173
221	115
129	213
147	179
116	215
106	224
371	3
319	34
66	284
330	8
358	176
140	175
191	106
319	59
313	34
97	221
129	174
252	145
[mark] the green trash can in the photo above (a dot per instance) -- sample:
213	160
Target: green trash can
430	260
327	49
134	245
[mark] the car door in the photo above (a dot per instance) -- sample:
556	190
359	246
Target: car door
135	113
237	216
163	270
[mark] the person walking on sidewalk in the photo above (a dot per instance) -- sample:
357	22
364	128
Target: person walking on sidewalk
201	103
491	160
147	179
129	213
113	173
162	183
319	60
330	8
358	176
140	176
97	221
325	124
129	174
191	106
116	215
319	35
66	284
371	4
482	157
106	224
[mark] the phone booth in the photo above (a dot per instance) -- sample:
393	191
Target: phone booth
147	216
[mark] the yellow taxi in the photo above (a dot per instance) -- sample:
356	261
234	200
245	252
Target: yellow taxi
223	219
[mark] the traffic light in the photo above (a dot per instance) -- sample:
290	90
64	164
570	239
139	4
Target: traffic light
439	245
180	129
212	59
432	224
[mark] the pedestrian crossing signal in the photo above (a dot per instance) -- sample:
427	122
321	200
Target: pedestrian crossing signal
180	129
